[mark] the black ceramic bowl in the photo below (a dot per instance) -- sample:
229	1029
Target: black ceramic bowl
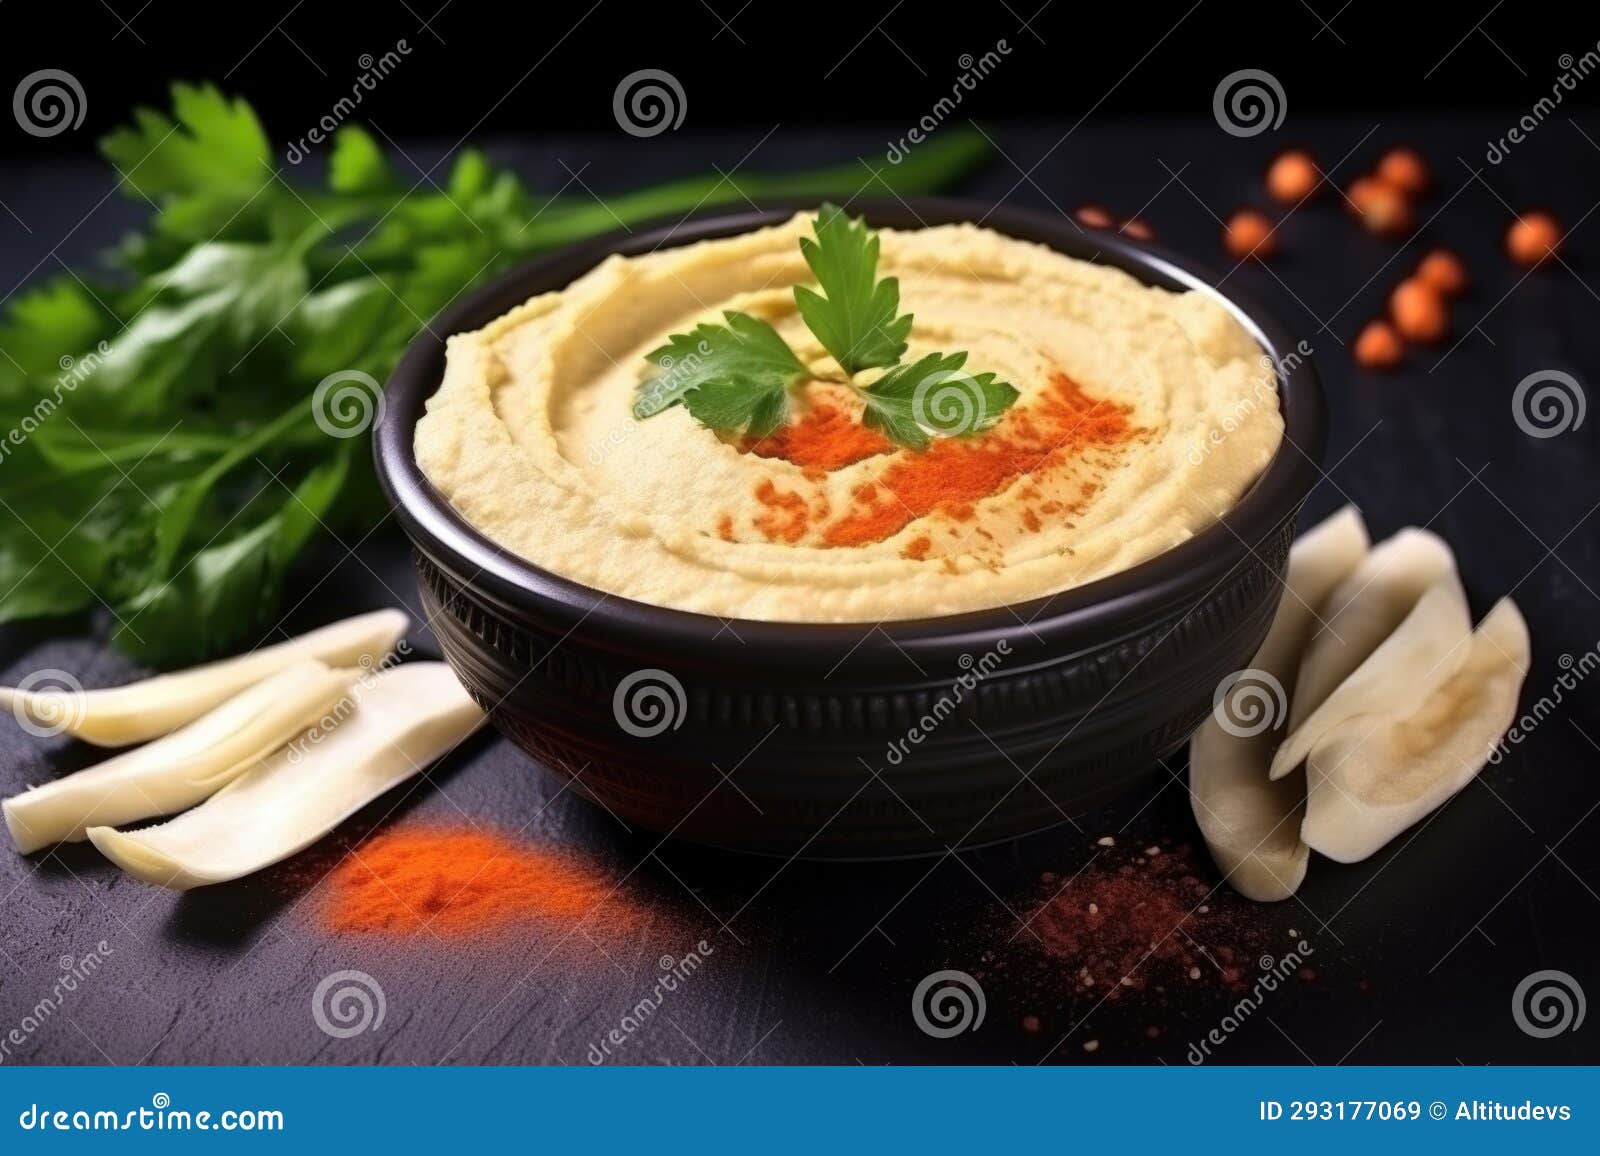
847	741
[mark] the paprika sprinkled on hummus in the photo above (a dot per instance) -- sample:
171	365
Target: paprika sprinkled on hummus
956	472
825	439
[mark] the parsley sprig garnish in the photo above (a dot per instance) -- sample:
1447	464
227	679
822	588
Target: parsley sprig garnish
737	377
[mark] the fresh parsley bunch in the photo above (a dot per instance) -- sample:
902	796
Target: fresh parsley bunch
738	376
161	458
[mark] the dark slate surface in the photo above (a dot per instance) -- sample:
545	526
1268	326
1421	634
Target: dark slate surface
1416	952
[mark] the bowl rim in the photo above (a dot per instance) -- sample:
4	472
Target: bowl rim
1144	590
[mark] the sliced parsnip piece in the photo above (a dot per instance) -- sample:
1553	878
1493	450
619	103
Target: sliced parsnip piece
404	719
122	715
180	769
1251	824
1320	559
1364	610
1427	648
1372	777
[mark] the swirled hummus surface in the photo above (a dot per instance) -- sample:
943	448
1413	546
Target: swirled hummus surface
1143	416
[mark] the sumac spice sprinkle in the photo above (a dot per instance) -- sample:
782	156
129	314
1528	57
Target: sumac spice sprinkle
1130	924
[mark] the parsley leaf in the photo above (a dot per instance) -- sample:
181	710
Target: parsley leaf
357	164
209	144
47	565
933	393
730	377
734	406
228	592
203	165
60	317
215	309
856	321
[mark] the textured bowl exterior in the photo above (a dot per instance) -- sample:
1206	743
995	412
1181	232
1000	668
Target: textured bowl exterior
852	740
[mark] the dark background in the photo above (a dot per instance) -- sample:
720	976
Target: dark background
763	61
1417	951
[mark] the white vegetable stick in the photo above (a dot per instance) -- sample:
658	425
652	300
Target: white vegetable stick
120	716
1426	649
405	718
1365	609
179	770
1251	824
1319	560
1374	776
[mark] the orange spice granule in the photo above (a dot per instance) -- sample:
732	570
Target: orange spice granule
824	439
917	549
725	527
457	881
785	515
953	473
1030	521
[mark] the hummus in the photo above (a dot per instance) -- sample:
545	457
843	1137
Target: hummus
1143	416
